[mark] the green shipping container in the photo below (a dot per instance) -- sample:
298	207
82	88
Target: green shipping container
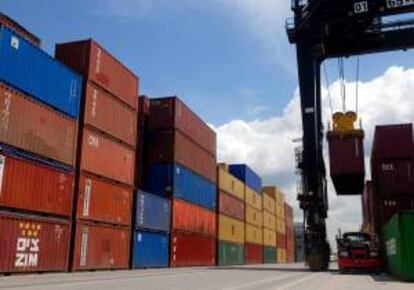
269	255
399	241
230	254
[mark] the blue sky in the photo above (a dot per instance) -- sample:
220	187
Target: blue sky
228	59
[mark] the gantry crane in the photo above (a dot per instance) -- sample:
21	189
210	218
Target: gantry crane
324	29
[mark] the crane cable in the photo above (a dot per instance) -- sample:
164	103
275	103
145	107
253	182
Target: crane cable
357	85
341	70
327	87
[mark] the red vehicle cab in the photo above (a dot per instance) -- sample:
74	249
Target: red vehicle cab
356	251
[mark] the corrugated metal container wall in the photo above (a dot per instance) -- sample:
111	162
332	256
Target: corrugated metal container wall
254	254
271	191
269	221
393	141
254	235
104	157
103	201
101	247
20	30
230	184
289	216
42	130
33	244
192	218
171	113
247	175
280	226
107	114
178	181
269	255
254	216
230	254
254	199
366	203
174	147
32	186
185	250
281	256
280	211
280	241
231	206
153	212
95	63
150	250
269	203
385	208
142	141
231	230
33	71
269	238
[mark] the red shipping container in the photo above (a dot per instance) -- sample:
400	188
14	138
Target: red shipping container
109	115
96	64
289	216
33	244
174	147
231	206
103	201
32	186
254	253
142	140
107	158
190	249
143	112
99	246
20	30
281	241
42	131
385	208
393	141
171	113
192	218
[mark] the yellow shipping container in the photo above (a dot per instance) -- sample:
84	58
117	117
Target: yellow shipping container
231	230
280	210
281	256
269	238
269	221
254	216
254	235
253	198
269	203
230	184
280	197
281	226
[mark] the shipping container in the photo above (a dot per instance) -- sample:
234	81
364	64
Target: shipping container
173	180
399	241
269	255
281	256
271	191
104	157
254	254
19	29
393	142
254	216
269	203
174	147
386	208
247	175
230	184
231	230
188	217
152	212
254	198
142	141
150	250
185	250
280	211
288	216
99	247
101	200
280	240
231	206
367	205
33	244
269	238
254	235
109	115
29	185
42	131
347	163
30	69
96	64
230	254
269	221
171	113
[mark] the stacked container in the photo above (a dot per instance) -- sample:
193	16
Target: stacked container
231	218
253	212
40	101
106	157
290	234
280	228
181	165
269	225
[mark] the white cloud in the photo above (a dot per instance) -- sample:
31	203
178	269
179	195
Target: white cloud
266	144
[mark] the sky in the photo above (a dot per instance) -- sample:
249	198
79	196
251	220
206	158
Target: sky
231	62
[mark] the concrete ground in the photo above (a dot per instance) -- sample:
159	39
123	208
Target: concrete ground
261	277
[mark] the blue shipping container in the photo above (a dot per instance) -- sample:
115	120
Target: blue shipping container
153	212
31	70
150	250
180	182
247	175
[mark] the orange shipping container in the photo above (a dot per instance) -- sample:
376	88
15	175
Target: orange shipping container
102	201
105	157
33	127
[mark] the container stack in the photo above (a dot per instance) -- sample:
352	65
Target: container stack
106	159
40	101
269	225
299	243
290	234
231	218
280	228
253	212
367	209
182	166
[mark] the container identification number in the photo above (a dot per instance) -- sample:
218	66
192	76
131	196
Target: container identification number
399	3
361	7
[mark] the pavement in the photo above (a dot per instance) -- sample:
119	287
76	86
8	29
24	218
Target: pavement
260	277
